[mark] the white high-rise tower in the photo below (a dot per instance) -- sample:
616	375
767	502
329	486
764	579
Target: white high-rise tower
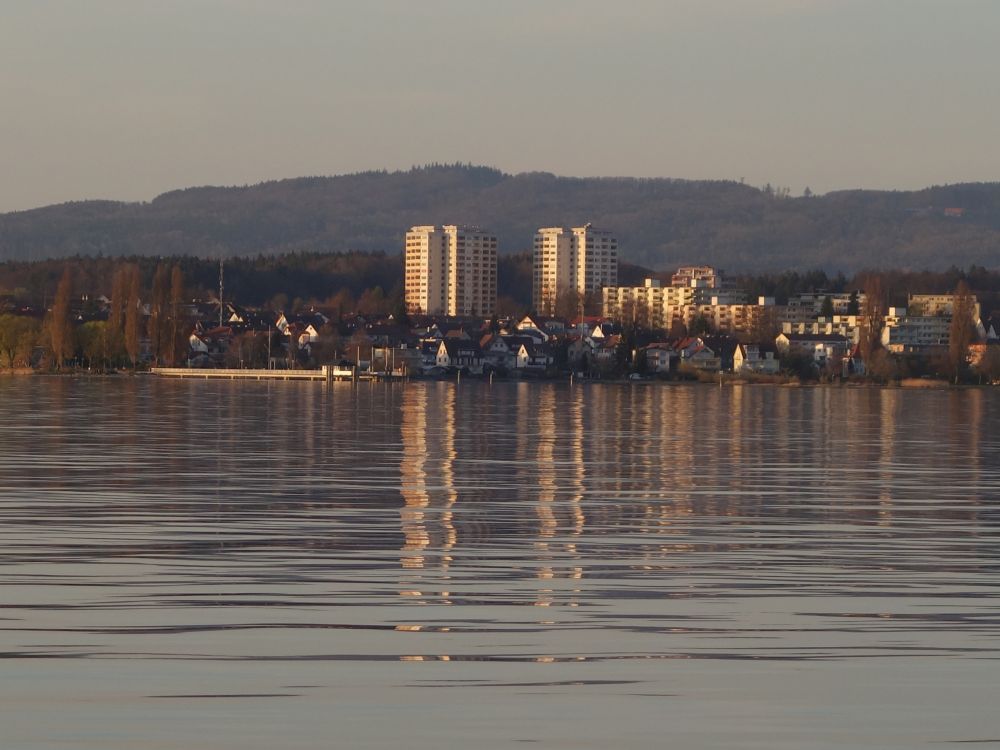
450	270
581	260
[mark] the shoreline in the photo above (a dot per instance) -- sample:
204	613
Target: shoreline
273	375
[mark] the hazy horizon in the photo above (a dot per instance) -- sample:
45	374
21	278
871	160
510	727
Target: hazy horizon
126	100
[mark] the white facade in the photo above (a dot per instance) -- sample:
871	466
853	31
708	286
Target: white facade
927	305
848	326
660	307
651	304
749	358
905	332
581	259
450	270
913	333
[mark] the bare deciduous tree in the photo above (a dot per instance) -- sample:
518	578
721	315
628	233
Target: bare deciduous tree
157	326
59	327
872	315
962	331
175	344
133	314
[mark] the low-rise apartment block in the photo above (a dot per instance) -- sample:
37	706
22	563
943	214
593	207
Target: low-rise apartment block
656	306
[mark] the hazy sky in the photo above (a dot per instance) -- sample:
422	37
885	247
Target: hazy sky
125	99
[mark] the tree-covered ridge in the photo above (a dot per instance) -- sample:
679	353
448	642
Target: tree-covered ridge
659	222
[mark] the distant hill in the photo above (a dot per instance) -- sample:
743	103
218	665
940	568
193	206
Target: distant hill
660	223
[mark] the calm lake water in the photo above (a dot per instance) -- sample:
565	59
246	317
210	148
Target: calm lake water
194	564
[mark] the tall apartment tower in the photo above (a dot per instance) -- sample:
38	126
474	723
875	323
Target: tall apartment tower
581	259
451	270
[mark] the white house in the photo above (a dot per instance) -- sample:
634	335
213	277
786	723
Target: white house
660	357
458	354
822	347
694	352
760	358
531	356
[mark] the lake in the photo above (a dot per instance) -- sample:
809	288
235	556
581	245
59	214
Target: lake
232	565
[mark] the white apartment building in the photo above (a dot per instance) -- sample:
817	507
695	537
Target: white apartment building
581	259
658	306
924	326
804	308
848	326
652	304
450	270
937	304
904	333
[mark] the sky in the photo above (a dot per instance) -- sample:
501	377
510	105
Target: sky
126	99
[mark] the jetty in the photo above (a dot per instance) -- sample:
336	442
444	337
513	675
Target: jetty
327	373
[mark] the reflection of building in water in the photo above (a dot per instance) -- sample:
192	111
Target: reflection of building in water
427	473
888	404
547	524
544	460
578	468
413	470
679	462
561	467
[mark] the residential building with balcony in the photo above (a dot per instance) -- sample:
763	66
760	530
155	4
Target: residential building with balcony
582	260
450	270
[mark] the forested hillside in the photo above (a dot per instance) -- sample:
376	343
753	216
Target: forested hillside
659	222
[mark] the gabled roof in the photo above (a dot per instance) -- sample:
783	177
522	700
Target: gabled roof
534	349
514	342
688	341
762	348
724	346
459	347
544	322
610	342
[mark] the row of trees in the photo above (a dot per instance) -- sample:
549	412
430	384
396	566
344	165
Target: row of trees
61	338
